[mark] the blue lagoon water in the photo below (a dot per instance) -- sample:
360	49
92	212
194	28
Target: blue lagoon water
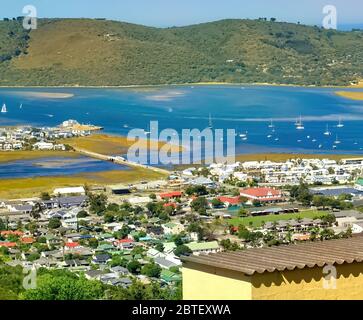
62	166
244	108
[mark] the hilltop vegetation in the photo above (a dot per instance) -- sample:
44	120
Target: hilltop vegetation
104	53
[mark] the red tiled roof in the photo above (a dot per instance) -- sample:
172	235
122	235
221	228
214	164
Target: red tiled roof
261	192
125	241
72	244
171	194
230	200
269	199
8	244
12	233
27	240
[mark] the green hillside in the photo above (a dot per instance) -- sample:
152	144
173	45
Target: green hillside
98	53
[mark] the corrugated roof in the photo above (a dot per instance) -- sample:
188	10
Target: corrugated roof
298	256
196	246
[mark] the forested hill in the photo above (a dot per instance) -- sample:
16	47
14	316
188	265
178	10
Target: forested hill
104	53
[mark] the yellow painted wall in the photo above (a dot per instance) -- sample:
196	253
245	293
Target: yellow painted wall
209	283
203	282
309	284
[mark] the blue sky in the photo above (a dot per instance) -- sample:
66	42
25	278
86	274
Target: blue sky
163	13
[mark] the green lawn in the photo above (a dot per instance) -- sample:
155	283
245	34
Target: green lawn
257	221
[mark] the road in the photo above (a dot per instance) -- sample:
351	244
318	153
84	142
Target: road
120	161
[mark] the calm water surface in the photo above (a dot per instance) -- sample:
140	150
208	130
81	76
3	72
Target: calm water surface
248	109
61	166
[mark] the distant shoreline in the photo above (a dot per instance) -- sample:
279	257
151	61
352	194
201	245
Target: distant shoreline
133	86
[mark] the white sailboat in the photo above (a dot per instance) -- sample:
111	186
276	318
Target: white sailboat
271	125
327	132
3	109
300	125
210	122
243	135
21	106
340	124
337	141
147	132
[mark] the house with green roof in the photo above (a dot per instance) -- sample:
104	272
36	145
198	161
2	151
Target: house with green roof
106	236
204	247
169	276
169	247
172	228
105	247
154	220
359	184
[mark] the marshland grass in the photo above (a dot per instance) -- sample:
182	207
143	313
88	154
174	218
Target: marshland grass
110	145
33	187
7	156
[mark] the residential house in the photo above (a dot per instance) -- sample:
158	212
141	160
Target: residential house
262	194
204	247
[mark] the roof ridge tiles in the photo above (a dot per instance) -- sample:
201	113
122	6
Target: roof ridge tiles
260	260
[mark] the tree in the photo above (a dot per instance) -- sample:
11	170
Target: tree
182	250
2	225
117	260
329	219
152	196
151	270
32	227
243	199
134	266
45	196
82	214
98	203
216	203
155	208
199	203
109	217
113	207
33	256
54	223
93	243
160	247
196	190
301	193
64	287
256	203
37	210
242	212
228	245
123	233
137	251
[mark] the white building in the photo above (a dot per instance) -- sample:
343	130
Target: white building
68	191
